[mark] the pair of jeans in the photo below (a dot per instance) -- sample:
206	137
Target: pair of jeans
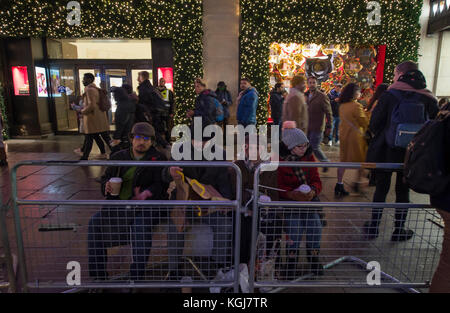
304	222
383	184
315	139
335	129
112	227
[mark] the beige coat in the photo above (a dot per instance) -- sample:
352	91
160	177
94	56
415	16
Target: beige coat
94	120
352	128
295	109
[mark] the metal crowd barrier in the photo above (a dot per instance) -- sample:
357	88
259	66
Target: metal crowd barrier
286	235
8	278
51	234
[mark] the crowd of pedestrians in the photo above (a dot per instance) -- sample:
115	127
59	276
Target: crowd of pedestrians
380	132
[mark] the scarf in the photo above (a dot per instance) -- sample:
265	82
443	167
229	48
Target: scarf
406	87
297	170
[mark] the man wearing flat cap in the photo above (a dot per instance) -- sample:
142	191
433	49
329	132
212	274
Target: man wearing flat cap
121	226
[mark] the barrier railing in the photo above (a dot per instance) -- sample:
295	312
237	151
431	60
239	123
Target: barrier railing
88	230
339	238
6	255
278	258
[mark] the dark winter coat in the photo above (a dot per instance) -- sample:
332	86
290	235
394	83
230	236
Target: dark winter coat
205	107
379	151
276	105
443	201
144	177
224	97
150	97
124	119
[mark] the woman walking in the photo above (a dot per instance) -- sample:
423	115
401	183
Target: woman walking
353	127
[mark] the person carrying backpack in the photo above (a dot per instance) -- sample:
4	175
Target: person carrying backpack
427	171
150	98
95	119
400	112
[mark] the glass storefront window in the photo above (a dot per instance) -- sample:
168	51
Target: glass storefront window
95	72
115	78
99	49
134	78
20	81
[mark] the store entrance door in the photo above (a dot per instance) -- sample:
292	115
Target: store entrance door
107	73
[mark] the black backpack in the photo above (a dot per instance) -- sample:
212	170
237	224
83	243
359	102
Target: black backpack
426	168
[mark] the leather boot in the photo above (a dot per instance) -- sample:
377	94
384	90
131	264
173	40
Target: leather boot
339	191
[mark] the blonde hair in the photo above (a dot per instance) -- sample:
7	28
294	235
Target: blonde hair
297	80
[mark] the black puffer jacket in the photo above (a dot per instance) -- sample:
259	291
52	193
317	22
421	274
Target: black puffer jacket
144	177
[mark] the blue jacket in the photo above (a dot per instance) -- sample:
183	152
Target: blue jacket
248	103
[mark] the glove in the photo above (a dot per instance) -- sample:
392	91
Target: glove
300	196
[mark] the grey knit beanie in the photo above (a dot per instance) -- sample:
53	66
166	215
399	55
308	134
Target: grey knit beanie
292	136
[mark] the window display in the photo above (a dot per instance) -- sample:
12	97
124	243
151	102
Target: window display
41	82
331	64
167	74
20	81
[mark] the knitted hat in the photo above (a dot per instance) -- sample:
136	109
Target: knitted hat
292	136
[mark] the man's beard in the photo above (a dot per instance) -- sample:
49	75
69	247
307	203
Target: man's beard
141	149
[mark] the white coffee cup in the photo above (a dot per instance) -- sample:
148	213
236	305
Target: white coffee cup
304	189
116	184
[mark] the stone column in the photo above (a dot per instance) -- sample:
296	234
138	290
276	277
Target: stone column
221	46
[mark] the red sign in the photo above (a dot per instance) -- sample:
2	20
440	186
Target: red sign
20	81
167	74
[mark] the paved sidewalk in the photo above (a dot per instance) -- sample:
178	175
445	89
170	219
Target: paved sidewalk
37	182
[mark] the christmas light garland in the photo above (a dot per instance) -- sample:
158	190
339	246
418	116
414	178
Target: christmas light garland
323	22
180	20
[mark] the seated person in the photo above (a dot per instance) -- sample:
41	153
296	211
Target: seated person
221	222
297	221
271	228
111	227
